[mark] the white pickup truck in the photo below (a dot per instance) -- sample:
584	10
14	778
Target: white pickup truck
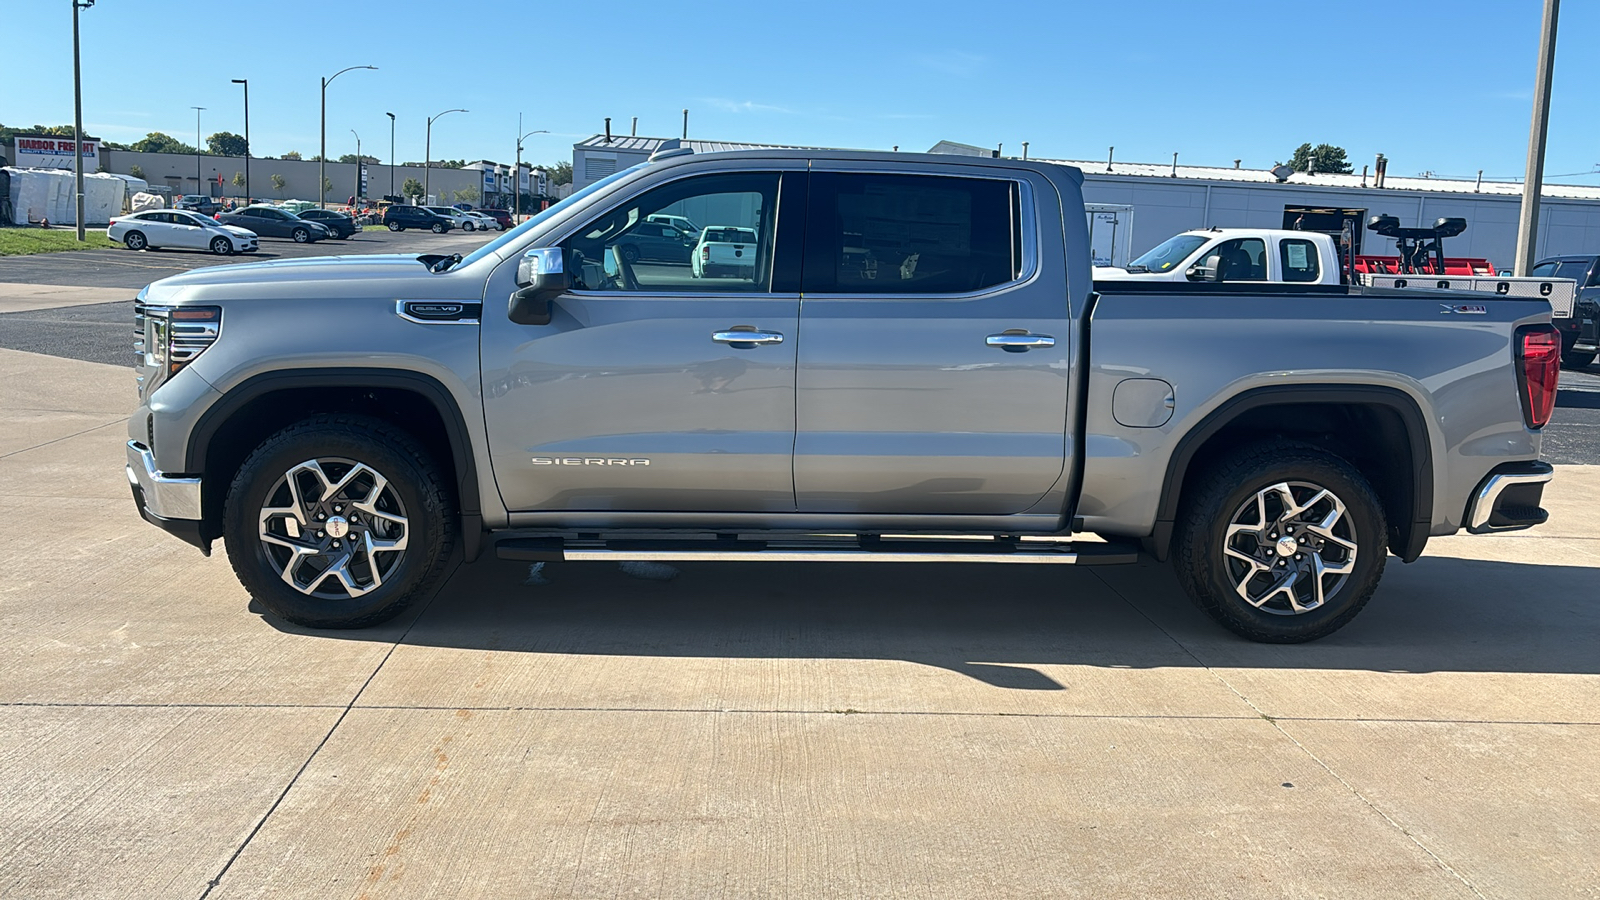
1234	254
724	250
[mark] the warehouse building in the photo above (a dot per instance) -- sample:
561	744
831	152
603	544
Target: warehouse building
1135	206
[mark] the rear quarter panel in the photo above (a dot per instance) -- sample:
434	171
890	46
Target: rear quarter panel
1457	368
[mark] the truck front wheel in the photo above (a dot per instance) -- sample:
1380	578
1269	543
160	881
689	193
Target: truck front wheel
339	521
1282	543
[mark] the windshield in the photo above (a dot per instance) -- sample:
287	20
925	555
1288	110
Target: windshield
1169	254
516	233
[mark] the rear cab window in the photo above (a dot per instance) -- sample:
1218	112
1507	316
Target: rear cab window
1298	259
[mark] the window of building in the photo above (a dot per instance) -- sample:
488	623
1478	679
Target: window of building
910	234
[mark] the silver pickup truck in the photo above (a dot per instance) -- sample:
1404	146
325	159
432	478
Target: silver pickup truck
916	367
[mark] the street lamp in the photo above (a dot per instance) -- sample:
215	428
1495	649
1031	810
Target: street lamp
246	83
77	112
516	178
391	154
322	165
199	181
359	163
427	152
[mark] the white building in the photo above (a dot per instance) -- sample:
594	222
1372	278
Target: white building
1135	206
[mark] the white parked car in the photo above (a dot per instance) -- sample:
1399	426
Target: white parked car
682	223
458	218
180	228
484	222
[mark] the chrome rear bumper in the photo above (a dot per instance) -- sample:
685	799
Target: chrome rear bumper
1508	499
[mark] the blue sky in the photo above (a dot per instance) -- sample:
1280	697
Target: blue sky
1437	85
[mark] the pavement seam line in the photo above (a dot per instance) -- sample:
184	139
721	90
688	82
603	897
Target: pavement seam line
67	437
1272	721
217	879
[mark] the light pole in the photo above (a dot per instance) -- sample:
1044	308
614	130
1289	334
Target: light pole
322	156
1533	180
246	83
391	154
427	152
359	163
77	112
516	178
199	181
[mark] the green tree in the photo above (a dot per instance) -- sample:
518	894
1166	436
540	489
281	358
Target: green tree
292	154
226	143
1328	159
351	157
560	173
136	171
327	185
278	181
156	142
412	188
468	195
238	181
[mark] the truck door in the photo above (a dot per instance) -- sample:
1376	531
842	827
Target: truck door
933	368
651	389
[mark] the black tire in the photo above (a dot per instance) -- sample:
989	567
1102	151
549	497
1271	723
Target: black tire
135	240
1227	492
416	489
439	228
396	226
630	254
302	235
221	246
1578	360
470	227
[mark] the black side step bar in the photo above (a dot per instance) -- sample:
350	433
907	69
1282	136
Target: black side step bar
820	549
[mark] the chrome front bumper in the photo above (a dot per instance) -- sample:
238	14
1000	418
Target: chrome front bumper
164	496
1508	499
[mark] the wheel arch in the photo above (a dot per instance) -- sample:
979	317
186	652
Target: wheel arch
261	405
1359	422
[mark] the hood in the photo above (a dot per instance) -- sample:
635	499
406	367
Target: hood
236	230
373	267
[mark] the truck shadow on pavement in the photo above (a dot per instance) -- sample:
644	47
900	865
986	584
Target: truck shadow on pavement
998	623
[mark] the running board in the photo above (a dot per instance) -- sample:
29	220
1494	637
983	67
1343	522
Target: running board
956	550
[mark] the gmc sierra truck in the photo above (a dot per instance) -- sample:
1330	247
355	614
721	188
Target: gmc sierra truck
916	368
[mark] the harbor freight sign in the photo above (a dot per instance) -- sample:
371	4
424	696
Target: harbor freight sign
42	151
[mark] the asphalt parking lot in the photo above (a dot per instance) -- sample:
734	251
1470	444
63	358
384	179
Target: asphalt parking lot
760	729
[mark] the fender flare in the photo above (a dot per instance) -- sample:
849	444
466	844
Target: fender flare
1413	534
429	388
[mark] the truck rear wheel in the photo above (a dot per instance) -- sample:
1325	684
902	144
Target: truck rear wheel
1282	543
339	521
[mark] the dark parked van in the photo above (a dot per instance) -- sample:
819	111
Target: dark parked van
399	218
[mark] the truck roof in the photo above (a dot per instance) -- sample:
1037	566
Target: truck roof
1260	232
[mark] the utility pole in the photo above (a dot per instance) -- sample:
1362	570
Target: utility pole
1533	180
322	156
427	152
360	164
516	180
77	112
199	181
391	154
246	83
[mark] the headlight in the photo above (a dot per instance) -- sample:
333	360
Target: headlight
174	336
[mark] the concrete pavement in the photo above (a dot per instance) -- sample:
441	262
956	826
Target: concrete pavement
765	730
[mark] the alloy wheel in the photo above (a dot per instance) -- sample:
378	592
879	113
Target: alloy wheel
1290	548
333	528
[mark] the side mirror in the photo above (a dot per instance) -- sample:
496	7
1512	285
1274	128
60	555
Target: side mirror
1200	271
541	277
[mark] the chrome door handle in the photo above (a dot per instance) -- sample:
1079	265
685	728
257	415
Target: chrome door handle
736	336
1017	341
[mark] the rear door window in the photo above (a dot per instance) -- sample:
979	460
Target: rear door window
910	234
1299	260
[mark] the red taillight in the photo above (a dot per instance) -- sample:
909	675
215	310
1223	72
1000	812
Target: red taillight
705	253
1538	372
